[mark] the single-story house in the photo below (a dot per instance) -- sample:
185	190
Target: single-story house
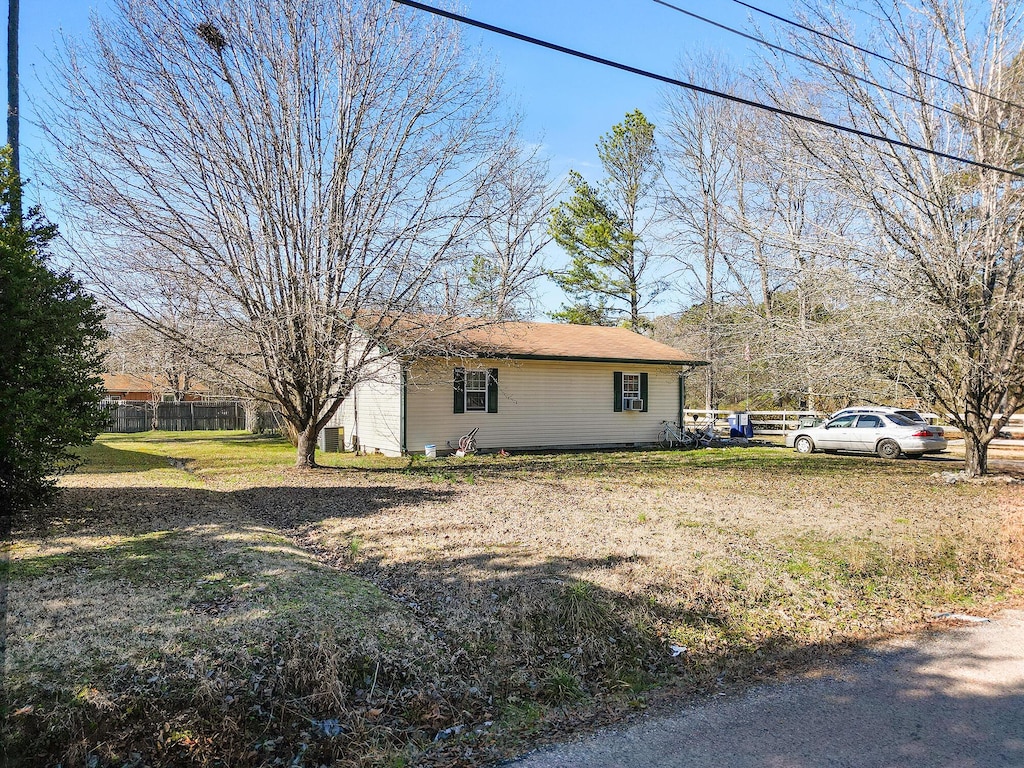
524	386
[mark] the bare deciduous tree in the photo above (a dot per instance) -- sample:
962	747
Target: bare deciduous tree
506	258
307	170
701	138
761	240
948	245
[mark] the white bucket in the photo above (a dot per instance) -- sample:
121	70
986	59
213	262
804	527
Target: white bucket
430	450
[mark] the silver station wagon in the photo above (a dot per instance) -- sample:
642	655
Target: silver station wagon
889	435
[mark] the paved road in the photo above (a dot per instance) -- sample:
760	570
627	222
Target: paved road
953	699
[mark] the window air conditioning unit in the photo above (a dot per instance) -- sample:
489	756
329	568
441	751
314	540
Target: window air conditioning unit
633	404
330	439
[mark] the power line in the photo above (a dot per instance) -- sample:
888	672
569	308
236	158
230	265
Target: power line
836	70
698	88
876	55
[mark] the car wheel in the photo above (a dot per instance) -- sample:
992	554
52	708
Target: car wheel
889	449
804	445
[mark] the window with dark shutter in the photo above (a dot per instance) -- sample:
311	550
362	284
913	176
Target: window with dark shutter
630	391
476	391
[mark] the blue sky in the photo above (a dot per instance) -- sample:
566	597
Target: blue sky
567	103
571	102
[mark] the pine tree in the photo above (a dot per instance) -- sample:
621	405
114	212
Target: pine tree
602	230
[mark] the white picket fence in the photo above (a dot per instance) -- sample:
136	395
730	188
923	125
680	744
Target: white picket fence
764	422
778	422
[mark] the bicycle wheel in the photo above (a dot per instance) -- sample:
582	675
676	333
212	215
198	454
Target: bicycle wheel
665	439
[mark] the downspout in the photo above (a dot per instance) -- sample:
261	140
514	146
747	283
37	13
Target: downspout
683	373
355	421
682	398
403	433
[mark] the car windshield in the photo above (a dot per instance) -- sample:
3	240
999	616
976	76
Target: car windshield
903	421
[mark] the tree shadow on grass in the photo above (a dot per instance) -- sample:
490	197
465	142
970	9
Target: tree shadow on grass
135	510
100	458
213	612
643	463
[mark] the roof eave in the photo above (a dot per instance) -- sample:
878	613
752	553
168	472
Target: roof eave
494	355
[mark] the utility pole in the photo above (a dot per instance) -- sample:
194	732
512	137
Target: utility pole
13	116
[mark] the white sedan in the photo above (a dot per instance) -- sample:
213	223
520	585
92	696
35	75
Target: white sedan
889	435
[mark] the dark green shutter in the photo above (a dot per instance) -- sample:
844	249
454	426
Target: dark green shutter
492	390
460	391
643	391
617	391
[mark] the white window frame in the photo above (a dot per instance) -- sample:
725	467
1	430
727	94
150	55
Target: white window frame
632	393
467	390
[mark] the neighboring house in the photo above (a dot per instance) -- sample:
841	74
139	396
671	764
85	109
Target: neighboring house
149	389
525	386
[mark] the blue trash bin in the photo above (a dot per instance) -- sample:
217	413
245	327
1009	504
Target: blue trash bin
739	425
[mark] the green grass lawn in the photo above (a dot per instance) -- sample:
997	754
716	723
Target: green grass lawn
192	599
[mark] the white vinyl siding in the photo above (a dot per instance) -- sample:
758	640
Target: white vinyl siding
373	413
540	404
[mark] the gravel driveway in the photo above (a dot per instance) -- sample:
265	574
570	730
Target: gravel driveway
952	698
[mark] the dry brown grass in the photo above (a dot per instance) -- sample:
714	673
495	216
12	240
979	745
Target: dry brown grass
238	612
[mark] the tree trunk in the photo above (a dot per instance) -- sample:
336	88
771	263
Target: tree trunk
976	459
305	452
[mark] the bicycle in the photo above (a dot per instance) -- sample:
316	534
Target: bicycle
672	435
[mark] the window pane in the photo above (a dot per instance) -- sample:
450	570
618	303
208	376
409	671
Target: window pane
476	390
631	385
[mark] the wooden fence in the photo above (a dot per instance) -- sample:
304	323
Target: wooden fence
129	417
175	417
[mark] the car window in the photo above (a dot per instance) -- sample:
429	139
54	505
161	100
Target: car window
854	411
842	421
903	421
870	422
913	416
